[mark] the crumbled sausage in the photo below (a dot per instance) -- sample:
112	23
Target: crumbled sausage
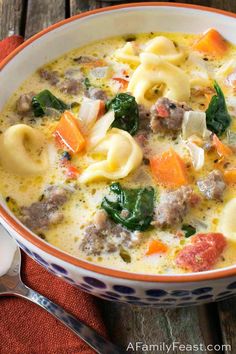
144	129
173	206
71	86
51	76
96	94
212	186
104	236
84	59
40	215
23	104
167	115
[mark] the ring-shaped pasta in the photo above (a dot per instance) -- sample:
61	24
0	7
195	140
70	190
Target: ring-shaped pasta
166	49
121	156
127	54
155	71
23	150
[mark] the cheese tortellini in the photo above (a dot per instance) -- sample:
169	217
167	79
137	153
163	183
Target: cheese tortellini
23	150
121	155
166	49
127	54
227	223
155	72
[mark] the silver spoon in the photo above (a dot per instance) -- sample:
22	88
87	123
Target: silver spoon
11	284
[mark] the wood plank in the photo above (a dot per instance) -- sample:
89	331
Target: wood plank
224	5
190	325
78	6
220	4
11	12
227	314
43	13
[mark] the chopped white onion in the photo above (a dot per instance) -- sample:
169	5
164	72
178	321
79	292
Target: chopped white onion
100	129
197	155
100	72
194	123
88	113
227	68
195	60
198	70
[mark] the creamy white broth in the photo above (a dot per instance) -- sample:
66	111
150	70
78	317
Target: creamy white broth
85	199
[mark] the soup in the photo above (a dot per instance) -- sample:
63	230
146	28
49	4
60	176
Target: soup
123	152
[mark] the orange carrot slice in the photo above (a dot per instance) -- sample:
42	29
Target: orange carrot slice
222	149
102	109
68	132
212	43
72	172
230	176
169	169
156	246
123	83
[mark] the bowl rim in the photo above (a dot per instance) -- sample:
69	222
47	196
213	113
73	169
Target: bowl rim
85	265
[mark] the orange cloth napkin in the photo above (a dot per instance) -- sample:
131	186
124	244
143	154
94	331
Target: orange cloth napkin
25	328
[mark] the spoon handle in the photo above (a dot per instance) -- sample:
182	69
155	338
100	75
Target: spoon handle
92	338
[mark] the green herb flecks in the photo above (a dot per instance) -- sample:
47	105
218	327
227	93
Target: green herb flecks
189	230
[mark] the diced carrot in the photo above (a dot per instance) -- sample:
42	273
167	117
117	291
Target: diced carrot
102	109
156	246
123	83
222	149
169	169
230	176
68	132
72	172
212	43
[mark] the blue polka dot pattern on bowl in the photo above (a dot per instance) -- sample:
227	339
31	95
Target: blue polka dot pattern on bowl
156	292
59	268
123	289
232	286
24	248
38	258
201	291
203	297
94	282
70	280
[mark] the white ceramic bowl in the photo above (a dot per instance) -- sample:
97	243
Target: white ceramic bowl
158	290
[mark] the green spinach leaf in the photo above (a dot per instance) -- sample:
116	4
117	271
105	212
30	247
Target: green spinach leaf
217	116
126	112
45	99
87	83
133	208
189	230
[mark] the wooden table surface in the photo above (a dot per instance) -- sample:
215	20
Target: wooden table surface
209	324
